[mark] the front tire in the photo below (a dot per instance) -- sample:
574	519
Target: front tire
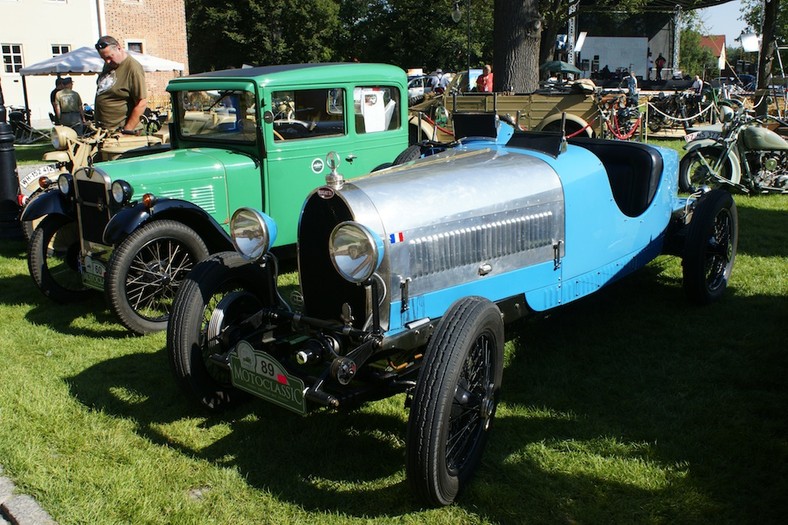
145	271
693	173
207	316
53	259
455	400
710	248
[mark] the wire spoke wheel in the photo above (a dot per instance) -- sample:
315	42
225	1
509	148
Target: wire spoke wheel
154	276
710	248
454	400
53	259
146	270
208	319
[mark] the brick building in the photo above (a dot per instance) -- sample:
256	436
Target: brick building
36	30
155	27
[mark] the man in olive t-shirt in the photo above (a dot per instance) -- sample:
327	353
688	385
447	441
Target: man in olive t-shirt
121	94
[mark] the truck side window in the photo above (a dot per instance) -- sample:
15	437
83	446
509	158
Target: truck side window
308	113
376	108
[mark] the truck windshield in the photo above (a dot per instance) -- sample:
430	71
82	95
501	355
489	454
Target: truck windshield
212	115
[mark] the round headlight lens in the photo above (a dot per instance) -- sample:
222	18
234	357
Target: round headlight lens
356	251
253	232
60	136
121	191
64	183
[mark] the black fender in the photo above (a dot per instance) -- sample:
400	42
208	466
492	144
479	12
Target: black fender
51	201
128	219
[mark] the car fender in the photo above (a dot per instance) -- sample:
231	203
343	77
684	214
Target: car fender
127	220
49	202
586	128
711	143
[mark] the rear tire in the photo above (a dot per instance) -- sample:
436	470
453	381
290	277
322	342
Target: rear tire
410	153
219	293
145	271
455	400
710	248
53	259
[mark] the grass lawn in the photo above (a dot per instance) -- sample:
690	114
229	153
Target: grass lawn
31	153
629	406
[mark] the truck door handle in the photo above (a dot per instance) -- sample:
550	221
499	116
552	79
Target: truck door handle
350	158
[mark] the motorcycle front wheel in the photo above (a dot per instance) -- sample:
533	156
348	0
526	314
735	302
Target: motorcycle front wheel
694	169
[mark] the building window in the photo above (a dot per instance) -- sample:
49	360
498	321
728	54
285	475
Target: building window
135	46
59	49
12	57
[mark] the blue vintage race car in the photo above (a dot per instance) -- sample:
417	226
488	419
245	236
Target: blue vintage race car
408	276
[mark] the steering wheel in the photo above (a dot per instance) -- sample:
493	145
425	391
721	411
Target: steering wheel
278	136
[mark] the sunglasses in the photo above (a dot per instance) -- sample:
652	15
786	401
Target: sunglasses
102	45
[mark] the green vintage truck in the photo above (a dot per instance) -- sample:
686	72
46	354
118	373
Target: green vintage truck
253	137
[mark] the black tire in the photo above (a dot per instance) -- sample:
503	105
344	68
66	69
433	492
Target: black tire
710	248
53	259
409	154
655	122
28	227
693	174
224	277
455	400
145	271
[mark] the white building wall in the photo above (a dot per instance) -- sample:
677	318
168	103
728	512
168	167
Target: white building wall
618	53
37	25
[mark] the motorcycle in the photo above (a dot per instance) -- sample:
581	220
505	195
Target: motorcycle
742	154
72	152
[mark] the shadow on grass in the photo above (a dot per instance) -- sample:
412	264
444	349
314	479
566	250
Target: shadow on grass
20	290
631	376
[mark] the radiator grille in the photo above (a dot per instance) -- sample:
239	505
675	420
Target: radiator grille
449	250
93	209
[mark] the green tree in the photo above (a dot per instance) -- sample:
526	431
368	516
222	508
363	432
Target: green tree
229	33
694	59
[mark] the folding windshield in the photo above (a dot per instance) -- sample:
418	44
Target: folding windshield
228	115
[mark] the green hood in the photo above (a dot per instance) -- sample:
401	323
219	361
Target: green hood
171	173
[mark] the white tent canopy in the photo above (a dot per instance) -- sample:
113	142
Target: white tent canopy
86	60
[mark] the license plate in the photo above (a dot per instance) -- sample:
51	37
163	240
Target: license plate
34	175
261	375
689	137
93	273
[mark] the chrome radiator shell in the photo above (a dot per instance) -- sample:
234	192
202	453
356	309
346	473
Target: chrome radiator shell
459	217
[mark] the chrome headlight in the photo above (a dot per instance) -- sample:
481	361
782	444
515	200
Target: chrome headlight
356	251
64	183
253	232
121	191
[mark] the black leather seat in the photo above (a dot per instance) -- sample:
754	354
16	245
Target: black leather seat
634	170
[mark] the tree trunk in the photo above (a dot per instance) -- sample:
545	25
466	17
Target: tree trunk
768	47
516	35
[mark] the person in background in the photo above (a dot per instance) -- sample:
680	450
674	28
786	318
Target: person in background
58	87
484	82
68	107
631	82
121	94
660	63
697	86
697	92
650	67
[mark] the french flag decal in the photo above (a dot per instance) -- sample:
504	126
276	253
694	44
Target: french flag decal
394	238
